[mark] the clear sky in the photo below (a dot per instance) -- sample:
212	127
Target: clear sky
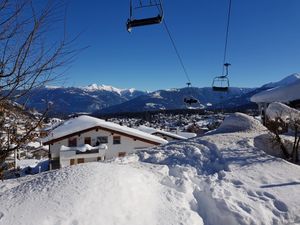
264	43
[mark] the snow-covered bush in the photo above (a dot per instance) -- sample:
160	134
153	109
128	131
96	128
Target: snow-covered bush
281	119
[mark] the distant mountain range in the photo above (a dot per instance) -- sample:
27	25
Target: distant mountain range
103	99
65	101
174	99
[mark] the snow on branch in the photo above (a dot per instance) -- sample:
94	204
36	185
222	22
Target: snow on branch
286	113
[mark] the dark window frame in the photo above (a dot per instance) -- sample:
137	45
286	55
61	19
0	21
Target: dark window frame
72	142
101	141
116	140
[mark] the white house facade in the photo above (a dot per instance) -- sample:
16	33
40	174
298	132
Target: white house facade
86	139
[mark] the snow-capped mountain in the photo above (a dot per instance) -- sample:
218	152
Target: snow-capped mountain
101	99
285	81
95	87
285	92
244	101
77	100
173	99
236	98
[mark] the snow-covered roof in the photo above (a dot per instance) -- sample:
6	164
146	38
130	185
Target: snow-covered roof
286	93
151	130
84	122
186	134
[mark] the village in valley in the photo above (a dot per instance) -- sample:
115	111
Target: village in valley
102	155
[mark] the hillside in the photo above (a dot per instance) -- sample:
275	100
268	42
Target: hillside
223	177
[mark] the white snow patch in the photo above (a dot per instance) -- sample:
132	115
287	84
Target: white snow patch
83	148
96	87
157	94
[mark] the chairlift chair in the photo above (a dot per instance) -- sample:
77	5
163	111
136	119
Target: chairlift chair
132	22
190	101
221	83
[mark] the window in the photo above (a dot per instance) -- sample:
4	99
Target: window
72	162
102	140
122	154
80	160
116	140
87	140
73	142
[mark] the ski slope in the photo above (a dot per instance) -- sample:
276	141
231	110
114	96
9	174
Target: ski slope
224	177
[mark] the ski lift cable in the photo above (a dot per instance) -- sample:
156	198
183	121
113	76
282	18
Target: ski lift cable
177	52
226	36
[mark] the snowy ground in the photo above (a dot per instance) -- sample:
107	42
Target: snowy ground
221	178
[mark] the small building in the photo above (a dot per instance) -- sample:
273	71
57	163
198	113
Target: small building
288	94
86	139
169	136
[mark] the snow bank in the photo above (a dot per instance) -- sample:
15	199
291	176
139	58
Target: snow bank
283	111
239	122
96	194
229	178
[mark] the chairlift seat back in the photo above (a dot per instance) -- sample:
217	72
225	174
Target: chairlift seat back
220	89
221	84
143	22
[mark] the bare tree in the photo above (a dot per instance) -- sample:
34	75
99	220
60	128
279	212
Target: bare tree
30	54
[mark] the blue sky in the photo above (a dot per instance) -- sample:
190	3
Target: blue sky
264	43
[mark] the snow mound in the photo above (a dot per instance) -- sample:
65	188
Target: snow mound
191	154
239	122
96	194
229	178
